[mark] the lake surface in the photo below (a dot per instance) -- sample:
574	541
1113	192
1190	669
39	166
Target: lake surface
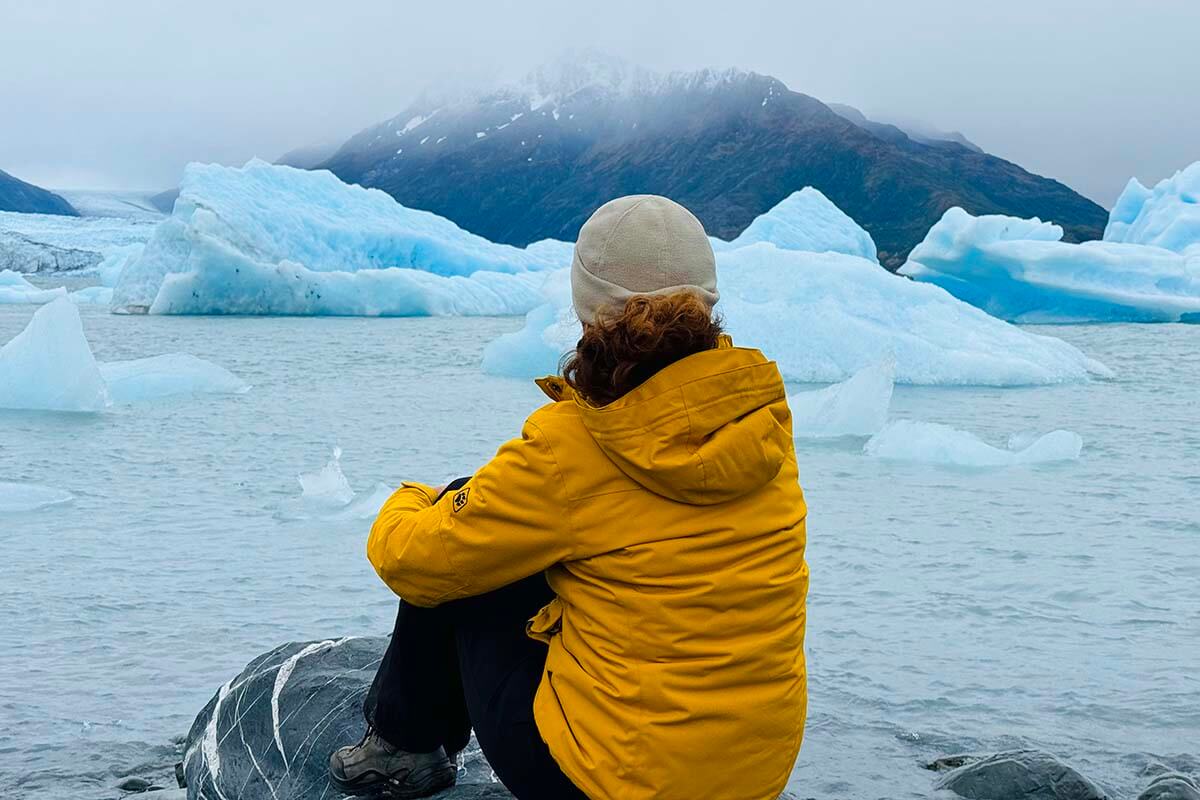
1054	606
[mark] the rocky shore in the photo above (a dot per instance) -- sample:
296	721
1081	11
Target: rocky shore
267	732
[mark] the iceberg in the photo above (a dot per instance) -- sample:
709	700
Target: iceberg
21	497
824	317
1147	269
266	239
1167	216
856	407
934	443
49	366
806	220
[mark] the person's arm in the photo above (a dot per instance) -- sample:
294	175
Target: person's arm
508	522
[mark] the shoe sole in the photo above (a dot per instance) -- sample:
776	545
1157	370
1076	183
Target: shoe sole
421	782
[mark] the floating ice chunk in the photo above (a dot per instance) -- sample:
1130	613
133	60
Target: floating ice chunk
276	240
1019	270
15	289
327	485
856	407
19	497
807	220
49	365
1167	216
325	493
167	375
97	295
933	443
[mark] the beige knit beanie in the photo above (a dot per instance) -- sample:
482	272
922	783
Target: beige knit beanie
640	244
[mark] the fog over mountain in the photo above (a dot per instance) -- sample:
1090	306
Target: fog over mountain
532	160
122	95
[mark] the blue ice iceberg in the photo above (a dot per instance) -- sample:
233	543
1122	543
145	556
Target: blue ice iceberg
49	366
934	443
1146	270
825	316
267	239
1167	216
808	221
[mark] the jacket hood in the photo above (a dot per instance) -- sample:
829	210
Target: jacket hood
709	428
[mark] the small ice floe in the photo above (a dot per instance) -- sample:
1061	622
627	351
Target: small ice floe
49	366
933	443
326	493
166	376
855	407
19	497
14	288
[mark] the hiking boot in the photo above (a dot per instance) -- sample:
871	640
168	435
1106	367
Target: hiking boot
375	767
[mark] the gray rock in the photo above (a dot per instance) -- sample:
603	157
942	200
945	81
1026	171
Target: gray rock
1171	786
267	733
137	785
1020	775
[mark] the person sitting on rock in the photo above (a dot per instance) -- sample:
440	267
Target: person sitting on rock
615	603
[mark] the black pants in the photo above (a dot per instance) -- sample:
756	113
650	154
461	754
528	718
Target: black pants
468	664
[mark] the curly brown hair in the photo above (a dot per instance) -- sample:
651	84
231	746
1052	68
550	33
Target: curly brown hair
620	351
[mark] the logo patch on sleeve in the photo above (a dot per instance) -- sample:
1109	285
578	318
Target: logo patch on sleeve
460	499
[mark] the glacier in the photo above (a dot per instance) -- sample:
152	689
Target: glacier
856	407
934	443
1147	268
825	316
49	366
21	497
267	239
49	243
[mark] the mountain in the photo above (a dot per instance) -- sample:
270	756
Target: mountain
532	161
17	195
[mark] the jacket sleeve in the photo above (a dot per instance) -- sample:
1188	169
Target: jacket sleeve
510	521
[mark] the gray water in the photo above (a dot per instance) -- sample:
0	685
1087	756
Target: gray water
1054	606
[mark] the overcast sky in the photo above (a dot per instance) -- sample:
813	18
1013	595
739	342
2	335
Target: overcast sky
123	93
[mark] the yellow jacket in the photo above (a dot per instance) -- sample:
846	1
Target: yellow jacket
670	524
